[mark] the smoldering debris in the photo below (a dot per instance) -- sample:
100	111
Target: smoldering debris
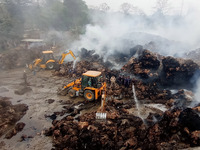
166	71
122	130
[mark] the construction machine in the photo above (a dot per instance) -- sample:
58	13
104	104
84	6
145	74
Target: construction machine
47	61
90	85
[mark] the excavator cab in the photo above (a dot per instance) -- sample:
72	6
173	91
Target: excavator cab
47	55
89	79
91	85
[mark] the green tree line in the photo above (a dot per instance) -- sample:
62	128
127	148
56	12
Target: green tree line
18	15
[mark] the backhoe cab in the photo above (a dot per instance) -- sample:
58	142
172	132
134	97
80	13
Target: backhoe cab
90	86
47	61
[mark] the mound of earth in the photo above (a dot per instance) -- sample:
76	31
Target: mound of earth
10	114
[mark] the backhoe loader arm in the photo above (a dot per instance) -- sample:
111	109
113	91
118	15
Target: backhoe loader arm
69	85
74	83
64	55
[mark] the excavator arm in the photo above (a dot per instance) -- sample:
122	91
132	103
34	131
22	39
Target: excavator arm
64	55
63	91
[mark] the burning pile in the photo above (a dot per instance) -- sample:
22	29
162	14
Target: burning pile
122	130
89	61
166	71
149	73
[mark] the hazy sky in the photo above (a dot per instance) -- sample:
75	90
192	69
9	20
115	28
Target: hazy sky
147	5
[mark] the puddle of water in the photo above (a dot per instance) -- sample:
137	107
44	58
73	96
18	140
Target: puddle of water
145	109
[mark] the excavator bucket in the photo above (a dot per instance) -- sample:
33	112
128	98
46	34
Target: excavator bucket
102	114
63	91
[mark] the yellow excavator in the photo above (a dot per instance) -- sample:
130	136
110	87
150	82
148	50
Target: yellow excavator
90	85
47	61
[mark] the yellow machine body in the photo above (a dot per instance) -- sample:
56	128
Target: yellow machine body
47	61
89	92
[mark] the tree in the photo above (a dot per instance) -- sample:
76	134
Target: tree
162	6
75	12
126	8
104	7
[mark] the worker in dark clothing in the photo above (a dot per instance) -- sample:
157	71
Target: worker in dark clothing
127	82
122	80
119	80
25	78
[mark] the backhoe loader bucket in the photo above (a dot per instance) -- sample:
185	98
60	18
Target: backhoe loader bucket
63	91
102	114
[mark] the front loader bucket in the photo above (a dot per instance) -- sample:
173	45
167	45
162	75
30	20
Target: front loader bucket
63	91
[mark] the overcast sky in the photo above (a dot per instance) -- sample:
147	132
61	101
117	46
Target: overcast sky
147	5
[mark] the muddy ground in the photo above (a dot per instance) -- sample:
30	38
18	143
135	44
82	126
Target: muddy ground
43	87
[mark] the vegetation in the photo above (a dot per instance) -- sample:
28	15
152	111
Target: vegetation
18	15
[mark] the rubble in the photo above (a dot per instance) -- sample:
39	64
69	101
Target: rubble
10	114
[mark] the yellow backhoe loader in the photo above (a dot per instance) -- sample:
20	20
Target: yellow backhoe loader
47	61
90	85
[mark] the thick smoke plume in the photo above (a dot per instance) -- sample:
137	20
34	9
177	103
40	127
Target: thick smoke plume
111	32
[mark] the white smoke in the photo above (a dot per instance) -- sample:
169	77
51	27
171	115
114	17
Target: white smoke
112	32
197	94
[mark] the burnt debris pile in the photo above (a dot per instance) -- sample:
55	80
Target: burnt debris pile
122	130
88	60
166	71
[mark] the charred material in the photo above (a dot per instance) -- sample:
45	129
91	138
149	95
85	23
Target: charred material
175	129
145	65
178	71
166	71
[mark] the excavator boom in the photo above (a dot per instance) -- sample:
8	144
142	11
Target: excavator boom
64	55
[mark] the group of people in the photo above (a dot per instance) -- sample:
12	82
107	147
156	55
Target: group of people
123	80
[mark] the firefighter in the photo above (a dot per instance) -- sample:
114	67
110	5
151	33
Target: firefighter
127	82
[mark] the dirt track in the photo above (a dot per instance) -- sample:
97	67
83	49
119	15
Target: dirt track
44	87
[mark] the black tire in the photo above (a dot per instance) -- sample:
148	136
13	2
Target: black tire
50	65
57	66
37	68
72	93
89	95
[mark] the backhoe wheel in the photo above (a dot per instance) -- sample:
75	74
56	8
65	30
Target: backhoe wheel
89	95
50	65
37	68
72	93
